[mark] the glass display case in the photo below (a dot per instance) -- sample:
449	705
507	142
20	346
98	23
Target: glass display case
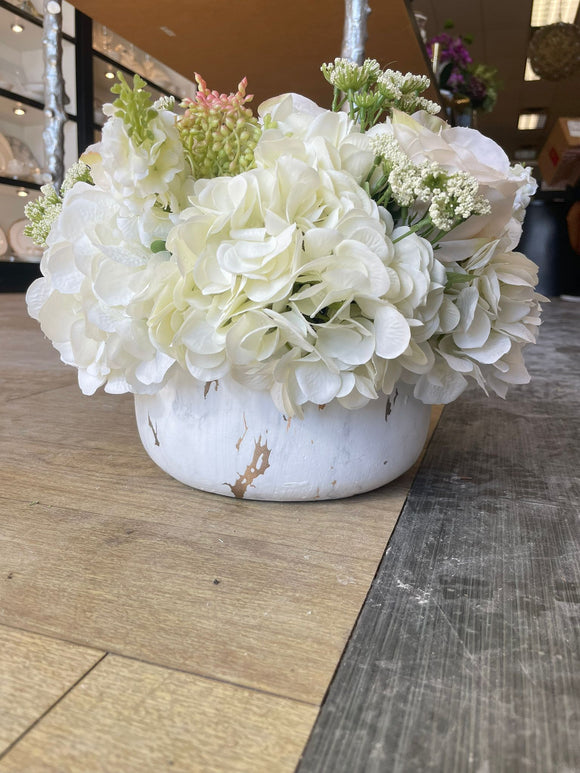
91	57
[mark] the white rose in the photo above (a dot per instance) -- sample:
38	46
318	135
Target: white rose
461	149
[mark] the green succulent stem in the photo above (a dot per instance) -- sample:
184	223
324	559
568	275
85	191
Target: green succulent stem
135	106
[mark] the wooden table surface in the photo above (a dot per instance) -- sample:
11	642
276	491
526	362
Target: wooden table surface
145	626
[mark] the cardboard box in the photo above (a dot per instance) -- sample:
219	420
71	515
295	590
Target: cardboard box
559	159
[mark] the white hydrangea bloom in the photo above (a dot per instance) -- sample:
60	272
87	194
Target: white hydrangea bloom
497	313
419	296
289	281
93	298
326	139
526	190
288	277
146	174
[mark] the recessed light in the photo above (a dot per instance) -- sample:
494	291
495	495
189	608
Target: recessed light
19	110
22	193
110	75
17	27
170	33
531	120
549	12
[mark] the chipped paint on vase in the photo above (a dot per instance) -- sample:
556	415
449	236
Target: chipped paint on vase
226	439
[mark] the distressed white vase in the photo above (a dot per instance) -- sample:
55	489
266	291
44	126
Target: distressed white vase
224	438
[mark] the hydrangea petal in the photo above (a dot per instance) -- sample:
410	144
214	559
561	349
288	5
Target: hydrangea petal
476	334
317	383
392	332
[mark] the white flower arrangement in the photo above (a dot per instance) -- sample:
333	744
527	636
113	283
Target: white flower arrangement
315	254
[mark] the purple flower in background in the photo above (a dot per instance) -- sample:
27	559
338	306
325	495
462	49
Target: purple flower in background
459	75
456	81
452	49
476	89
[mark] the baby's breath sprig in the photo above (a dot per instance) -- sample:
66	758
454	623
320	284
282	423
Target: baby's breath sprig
403	92
437	200
370	92
445	199
348	78
78	172
42	212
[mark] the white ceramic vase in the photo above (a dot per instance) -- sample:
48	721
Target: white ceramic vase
227	439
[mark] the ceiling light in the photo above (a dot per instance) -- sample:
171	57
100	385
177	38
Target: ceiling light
170	33
22	193
531	120
109	75
551	11
526	154
529	74
17	27
19	110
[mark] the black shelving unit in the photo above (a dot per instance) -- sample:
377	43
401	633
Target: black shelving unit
16	275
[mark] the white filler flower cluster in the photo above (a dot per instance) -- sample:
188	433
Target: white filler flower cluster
341	262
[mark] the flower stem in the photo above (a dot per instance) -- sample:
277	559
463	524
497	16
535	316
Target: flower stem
335	98
413	229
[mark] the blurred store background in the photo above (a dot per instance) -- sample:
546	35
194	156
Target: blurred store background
534	114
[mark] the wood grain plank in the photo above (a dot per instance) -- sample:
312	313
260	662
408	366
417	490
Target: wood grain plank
238	608
125	481
465	656
106	550
137	718
35	671
26	369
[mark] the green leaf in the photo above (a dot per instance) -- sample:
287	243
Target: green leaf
454	277
158	246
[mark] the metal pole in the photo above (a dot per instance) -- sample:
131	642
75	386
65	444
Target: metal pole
54	115
355	30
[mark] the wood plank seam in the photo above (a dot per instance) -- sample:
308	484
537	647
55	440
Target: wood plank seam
128	717
197	674
363	606
52	706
